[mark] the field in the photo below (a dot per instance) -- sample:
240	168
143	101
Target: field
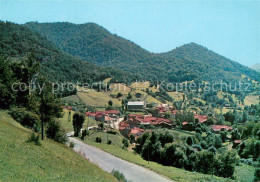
71	99
119	87
116	139
177	96
98	99
171	172
21	161
251	99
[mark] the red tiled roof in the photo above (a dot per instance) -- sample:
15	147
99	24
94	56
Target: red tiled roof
136	116
90	114
237	141
136	130
99	116
219	127
184	123
201	118
124	124
111	112
107	112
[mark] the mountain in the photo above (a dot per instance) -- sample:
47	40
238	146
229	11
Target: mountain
90	42
16	41
256	67
93	43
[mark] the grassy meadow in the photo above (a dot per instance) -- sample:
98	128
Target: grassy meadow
21	161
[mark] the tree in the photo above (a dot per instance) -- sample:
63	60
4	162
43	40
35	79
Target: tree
132	138
110	103
217	142
223	136
78	120
119	94
125	143
129	96
189	140
50	106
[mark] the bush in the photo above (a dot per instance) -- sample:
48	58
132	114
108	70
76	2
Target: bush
56	132
119	176
26	118
35	139
109	142
113	132
98	139
125	143
84	134
71	145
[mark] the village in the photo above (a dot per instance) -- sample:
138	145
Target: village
162	116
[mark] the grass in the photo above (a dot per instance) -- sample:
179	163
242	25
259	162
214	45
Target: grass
251	99
68	125
119	87
177	96
71	99
244	173
116	139
21	161
99	99
171	172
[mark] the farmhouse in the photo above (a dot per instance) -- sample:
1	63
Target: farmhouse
136	105
218	128
201	118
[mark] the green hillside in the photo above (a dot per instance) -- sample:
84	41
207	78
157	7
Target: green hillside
93	43
90	42
21	161
16	41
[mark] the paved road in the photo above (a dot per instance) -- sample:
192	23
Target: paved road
108	162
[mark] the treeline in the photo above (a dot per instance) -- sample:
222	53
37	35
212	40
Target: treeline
164	148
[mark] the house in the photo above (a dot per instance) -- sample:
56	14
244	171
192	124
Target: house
201	118
136	105
187	126
236	143
124	128
218	128
161	110
150	120
136	132
91	115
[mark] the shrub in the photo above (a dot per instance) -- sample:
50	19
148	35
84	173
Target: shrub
56	132
189	140
71	145
26	118
98	139
119	176
125	143
114	132
84	134
35	139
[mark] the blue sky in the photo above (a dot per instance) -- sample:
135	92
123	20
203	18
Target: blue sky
230	28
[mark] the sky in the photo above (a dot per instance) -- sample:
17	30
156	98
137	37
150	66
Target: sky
229	28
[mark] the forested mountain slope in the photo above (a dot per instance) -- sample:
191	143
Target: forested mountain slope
93	43
16	41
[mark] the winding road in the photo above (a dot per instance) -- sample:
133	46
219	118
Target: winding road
108	162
